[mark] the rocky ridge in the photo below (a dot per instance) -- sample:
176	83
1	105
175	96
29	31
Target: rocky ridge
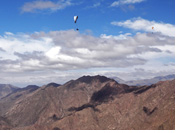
91	102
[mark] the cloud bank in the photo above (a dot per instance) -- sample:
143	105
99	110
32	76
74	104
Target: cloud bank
59	56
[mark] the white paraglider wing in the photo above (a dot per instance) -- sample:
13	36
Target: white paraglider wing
75	18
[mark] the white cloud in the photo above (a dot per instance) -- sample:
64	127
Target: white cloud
68	54
141	24
53	52
2	50
9	33
123	2
115	3
22	43
95	5
118	37
44	5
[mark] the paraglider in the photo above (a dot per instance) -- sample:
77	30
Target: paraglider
152	29
75	21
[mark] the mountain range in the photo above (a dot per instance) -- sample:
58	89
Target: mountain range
145	81
90	103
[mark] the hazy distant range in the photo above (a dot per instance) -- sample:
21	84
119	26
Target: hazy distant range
144	81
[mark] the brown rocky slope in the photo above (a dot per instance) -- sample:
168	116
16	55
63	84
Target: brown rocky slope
6	89
91	103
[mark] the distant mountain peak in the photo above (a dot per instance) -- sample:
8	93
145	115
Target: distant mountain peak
31	86
53	84
6	89
88	79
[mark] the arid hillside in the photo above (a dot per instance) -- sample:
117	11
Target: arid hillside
6	89
90	102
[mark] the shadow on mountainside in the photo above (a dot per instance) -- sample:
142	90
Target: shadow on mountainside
102	96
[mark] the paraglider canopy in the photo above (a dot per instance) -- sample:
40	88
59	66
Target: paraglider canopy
75	18
152	29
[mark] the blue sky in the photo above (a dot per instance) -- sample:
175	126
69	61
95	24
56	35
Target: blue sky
39	43
97	19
